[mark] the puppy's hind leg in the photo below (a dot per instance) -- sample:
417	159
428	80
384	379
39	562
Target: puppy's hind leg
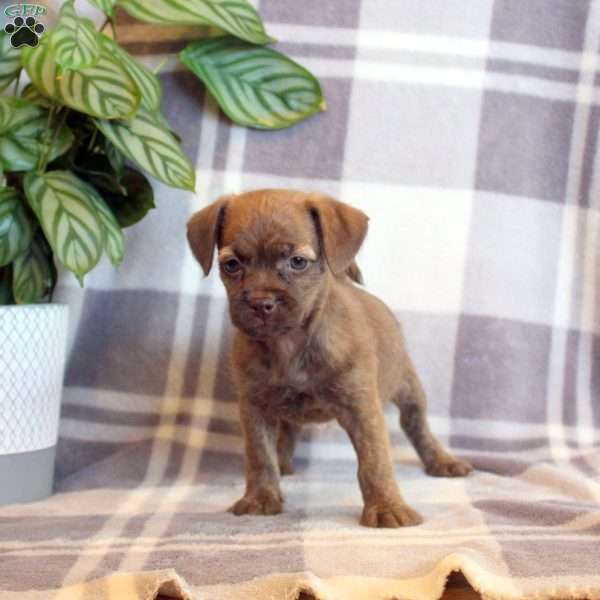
286	444
412	402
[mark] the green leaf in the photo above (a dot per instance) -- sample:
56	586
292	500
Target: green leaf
10	61
26	136
68	216
114	243
32	94
106	6
237	17
139	199
74	40
33	274
105	90
146	141
6	114
115	157
256	87
6	295
97	170
145	80
15	228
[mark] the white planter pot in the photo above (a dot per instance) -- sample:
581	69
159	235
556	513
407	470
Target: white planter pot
33	340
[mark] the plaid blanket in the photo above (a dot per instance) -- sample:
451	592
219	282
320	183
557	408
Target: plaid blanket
468	131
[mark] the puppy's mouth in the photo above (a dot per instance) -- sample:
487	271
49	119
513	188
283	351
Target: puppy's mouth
261	327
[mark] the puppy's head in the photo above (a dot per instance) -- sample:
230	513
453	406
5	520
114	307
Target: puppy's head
276	251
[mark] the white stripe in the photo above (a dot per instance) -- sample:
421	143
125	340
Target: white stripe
202	408
194	546
590	317
200	439
477	48
142	404
567	252
159	455
157	525
321	530
235	159
435	44
450	76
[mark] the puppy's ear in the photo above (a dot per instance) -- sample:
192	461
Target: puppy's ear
341	230
203	232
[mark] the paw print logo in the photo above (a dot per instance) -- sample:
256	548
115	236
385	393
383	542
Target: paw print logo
24	31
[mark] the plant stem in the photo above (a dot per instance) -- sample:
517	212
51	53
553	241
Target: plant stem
161	65
46	157
17	82
110	20
92	140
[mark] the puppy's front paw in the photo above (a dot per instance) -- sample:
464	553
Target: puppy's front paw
448	466
389	514
264	501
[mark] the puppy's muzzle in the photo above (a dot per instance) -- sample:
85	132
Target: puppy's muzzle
263	305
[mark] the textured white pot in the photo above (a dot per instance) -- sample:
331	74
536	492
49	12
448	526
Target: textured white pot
33	342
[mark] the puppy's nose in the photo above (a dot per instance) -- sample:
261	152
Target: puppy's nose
263	305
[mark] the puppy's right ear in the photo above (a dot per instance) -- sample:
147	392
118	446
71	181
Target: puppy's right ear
204	232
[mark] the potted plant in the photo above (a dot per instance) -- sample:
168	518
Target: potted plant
69	140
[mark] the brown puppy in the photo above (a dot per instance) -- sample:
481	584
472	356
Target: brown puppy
310	346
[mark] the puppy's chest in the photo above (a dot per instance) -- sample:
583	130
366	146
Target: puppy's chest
297	389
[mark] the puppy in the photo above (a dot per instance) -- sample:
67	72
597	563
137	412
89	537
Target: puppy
311	346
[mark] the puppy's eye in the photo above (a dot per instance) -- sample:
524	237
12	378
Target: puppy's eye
231	265
298	263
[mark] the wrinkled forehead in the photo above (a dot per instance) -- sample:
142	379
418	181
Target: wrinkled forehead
268	226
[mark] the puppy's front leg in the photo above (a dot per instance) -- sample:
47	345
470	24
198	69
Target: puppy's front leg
263	496
364	422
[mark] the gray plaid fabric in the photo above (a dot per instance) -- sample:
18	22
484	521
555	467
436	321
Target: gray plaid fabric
468	131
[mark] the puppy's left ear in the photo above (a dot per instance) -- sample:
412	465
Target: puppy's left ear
341	230
203	232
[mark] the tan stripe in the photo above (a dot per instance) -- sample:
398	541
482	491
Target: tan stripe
138	553
157	525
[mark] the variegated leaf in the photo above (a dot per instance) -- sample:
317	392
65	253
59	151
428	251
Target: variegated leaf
106	6
114	243
74	41
115	157
15	228
105	90
237	17
33	274
145	80
68	217
146	141
32	94
255	86
96	170
27	136
10	61
131	207
6	113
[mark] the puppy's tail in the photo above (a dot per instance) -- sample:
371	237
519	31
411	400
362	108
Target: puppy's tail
354	273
